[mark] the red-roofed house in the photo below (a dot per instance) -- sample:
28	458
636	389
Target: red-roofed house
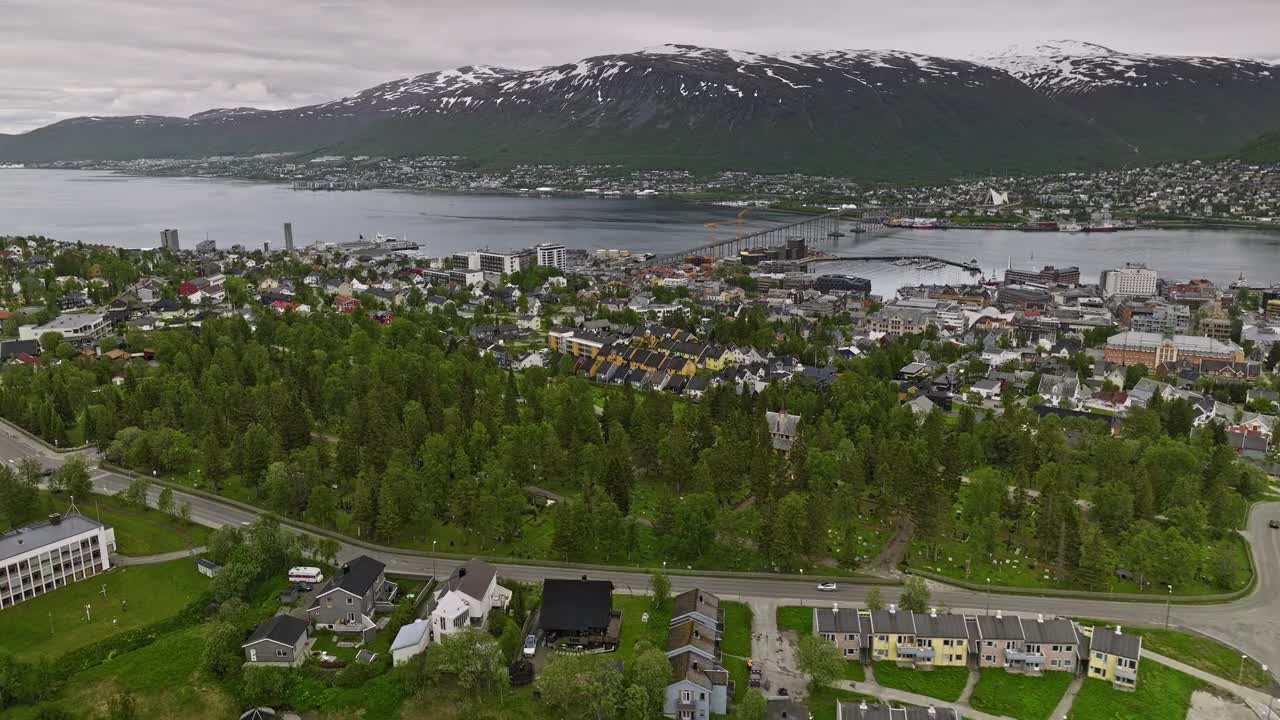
345	303
27	359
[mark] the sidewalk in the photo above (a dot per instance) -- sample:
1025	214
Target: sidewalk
1068	698
1256	699
154	559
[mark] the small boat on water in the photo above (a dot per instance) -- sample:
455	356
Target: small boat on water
1105	227
835	233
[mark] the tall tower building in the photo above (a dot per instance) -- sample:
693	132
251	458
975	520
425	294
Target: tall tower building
169	239
288	237
553	255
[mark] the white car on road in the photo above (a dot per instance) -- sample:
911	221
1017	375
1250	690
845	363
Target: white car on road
828	587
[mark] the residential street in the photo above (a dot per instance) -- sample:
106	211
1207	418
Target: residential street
1251	624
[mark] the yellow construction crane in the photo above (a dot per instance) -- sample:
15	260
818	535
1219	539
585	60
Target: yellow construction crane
715	226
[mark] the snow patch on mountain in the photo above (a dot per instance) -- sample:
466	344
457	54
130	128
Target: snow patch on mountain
1073	67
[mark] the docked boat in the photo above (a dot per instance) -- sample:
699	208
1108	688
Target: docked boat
1043	226
1069	227
1101	228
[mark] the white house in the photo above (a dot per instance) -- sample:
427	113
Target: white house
467	597
987	389
410	641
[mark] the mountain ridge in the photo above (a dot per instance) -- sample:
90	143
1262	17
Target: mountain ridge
1065	105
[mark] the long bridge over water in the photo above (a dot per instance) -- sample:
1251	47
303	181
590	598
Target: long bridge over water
814	230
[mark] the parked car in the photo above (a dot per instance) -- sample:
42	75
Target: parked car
828	587
303	586
1275	524
530	646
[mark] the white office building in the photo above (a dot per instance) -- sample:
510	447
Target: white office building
1132	280
41	557
75	327
553	255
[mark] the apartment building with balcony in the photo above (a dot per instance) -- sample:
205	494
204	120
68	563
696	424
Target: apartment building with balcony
41	557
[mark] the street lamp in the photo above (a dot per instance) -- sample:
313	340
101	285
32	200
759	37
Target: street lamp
433	560
988	610
1168	603
1240	679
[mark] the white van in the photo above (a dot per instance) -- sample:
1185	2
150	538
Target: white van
305	574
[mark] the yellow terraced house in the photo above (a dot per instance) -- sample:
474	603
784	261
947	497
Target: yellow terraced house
1114	656
941	641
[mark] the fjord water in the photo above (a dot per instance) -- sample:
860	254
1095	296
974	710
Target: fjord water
100	207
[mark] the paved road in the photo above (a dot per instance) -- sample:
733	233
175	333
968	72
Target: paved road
1251	624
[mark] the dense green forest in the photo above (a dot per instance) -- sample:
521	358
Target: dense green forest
404	434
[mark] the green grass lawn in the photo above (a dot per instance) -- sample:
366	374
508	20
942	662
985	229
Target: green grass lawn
738	673
796	619
822	703
155	666
1197	651
854	670
1019	696
144	532
944	683
737	629
153	592
1163	694
328	642
633	608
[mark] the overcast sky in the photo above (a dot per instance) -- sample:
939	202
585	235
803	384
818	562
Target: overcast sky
64	58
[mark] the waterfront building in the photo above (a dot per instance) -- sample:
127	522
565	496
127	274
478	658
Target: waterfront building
38	558
1048	275
288	237
553	255
169	239
1152	349
1133	280
842	283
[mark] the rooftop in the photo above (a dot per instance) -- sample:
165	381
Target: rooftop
37	535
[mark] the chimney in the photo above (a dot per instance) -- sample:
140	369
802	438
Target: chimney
55	519
892	608
999	614
933	612
862	706
462	572
1039	617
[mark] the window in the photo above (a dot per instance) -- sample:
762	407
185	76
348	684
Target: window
1099	656
989	658
349	601
850	651
282	653
686	696
1053	663
1057	648
882	638
702	696
1011	645
850	637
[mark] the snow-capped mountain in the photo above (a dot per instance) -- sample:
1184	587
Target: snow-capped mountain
1073	67
873	113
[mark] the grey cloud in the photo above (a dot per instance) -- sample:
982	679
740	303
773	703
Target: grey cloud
62	58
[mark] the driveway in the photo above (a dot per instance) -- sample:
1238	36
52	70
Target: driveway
774	652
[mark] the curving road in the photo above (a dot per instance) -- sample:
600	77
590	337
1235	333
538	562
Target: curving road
1251	624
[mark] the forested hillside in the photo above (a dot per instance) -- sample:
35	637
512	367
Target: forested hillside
404	434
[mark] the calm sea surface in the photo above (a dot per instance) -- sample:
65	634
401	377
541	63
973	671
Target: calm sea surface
99	207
